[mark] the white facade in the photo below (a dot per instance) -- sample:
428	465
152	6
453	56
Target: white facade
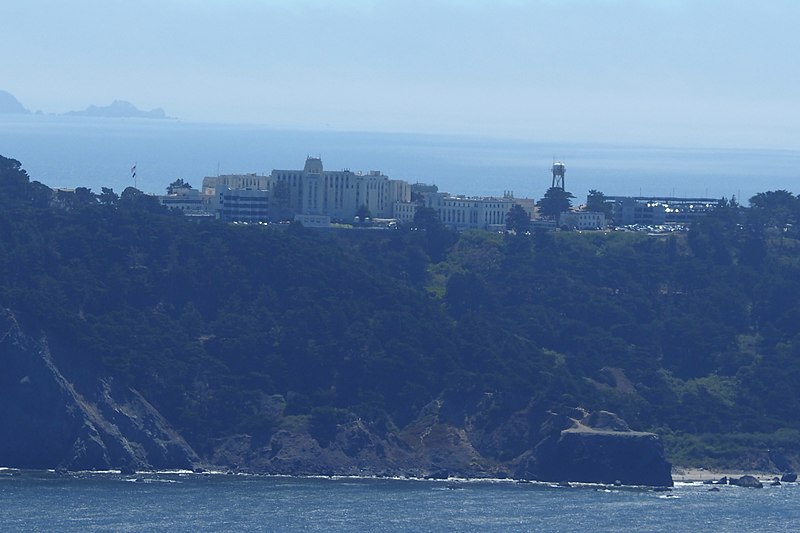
338	194
404	212
461	212
582	220
314	221
235	181
188	201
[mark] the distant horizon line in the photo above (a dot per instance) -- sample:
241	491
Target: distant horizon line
494	138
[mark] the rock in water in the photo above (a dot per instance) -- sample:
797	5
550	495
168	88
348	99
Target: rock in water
598	455
747	481
790	477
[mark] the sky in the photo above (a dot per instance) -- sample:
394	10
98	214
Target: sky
695	73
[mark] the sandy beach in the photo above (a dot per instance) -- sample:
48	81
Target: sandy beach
693	474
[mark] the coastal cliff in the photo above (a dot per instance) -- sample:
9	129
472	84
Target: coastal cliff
592	448
45	422
413	351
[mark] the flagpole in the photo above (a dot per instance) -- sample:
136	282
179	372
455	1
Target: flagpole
133	175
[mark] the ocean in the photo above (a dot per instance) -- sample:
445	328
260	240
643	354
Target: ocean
70	152
89	502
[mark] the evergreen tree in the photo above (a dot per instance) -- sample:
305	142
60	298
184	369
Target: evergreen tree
517	219
555	201
596	202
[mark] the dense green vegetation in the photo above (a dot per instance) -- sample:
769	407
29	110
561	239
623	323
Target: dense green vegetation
694	336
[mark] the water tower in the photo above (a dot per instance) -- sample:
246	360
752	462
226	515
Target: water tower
559	169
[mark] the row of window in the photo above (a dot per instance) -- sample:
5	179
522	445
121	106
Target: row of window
256	199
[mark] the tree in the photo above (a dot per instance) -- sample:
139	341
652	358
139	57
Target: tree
40	194
517	219
438	239
14	181
173	187
78	198
427	218
84	197
775	208
596	202
555	201
108	196
133	198
363	214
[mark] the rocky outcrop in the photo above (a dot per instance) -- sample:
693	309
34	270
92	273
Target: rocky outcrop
356	451
596	448
450	442
747	481
45	422
119	109
425	448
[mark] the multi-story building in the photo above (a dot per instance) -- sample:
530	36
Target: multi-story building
462	212
190	202
341	195
629	210
338	194
404	212
241	205
235	181
284	194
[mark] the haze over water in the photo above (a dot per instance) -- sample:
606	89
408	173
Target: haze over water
99	152
654	97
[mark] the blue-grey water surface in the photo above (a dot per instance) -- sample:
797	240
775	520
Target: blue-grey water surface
45	501
99	152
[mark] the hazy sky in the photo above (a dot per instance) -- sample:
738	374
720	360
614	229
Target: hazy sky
690	73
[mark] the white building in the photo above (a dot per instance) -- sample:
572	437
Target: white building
337	194
404	212
582	220
190	202
314	221
648	210
235	181
462	212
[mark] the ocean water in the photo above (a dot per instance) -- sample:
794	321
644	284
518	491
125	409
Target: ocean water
45	501
95	152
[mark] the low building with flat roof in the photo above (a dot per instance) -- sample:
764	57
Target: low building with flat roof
652	210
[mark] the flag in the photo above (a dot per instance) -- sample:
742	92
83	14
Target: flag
133	171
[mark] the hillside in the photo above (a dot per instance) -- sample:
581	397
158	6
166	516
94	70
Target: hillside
10	105
265	347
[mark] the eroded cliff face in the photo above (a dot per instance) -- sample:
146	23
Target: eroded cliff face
46	423
463	441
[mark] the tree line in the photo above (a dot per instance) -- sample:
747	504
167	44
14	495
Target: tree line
694	336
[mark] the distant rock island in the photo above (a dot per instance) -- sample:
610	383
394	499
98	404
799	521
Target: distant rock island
9	105
119	109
